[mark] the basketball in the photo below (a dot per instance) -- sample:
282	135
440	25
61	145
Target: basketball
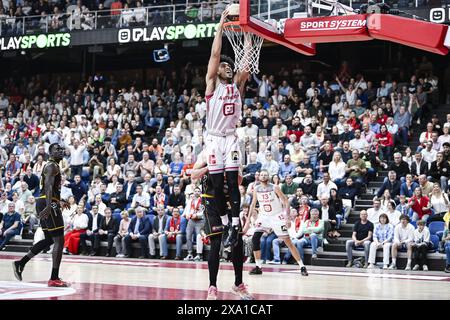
233	12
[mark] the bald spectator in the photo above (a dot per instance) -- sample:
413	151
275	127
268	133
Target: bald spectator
287	167
400	167
361	237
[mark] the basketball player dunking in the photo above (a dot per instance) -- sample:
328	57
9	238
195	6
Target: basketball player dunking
273	214
214	230
48	206
223	112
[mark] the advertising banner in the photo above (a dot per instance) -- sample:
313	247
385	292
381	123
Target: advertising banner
327	29
109	36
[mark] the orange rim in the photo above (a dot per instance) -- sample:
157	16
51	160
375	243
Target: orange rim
233	26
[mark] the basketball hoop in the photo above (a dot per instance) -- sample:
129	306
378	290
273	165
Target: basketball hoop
246	47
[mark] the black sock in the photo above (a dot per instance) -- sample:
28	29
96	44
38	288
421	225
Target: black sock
24	260
55	274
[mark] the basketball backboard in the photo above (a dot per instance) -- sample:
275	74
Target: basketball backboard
300	24
266	18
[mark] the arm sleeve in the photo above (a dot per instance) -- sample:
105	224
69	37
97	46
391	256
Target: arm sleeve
84	222
390	233
375	233
168	224
396	234
426	235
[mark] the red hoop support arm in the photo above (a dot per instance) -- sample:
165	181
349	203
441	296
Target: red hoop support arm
250	24
419	34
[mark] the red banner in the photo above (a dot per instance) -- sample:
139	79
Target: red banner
327	29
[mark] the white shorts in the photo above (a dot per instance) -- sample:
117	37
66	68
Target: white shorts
222	153
276	222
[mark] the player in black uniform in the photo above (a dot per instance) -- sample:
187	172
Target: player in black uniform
214	229
48	206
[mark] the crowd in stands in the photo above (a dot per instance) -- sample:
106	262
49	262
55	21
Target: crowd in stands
130	152
47	16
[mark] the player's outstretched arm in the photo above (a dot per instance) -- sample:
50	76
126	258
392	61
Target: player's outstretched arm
214	60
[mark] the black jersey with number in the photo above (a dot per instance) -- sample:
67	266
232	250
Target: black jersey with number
56	190
54	222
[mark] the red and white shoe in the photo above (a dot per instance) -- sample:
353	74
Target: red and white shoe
212	293
242	291
58	283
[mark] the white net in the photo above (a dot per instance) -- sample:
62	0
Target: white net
246	47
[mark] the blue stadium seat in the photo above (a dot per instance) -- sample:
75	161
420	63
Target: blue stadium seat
414	224
436	226
435	241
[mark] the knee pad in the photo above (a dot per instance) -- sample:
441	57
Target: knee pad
256	241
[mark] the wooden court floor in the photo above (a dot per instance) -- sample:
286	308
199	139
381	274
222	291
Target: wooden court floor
99	278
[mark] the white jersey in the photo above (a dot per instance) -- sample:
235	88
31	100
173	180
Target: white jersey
223	109
269	203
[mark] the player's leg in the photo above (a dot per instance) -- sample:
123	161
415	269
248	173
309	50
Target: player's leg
232	161
215	163
58	239
57	254
256	243
235	200
18	266
237	257
213	231
213	265
280	229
